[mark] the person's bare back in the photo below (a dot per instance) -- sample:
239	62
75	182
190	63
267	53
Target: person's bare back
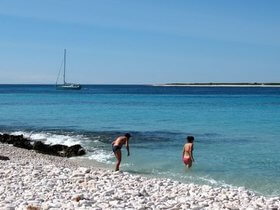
119	141
187	149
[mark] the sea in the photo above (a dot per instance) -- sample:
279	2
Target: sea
236	129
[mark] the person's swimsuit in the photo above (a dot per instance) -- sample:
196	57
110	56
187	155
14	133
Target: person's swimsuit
187	160
116	148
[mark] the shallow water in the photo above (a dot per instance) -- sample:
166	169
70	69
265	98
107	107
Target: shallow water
236	129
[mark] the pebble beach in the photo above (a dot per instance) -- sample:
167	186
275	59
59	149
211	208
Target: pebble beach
30	180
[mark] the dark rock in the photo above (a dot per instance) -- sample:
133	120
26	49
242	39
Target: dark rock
44	148
75	150
11	139
4	158
57	149
38	145
4	138
22	143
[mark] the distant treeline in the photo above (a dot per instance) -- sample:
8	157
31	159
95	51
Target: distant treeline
221	83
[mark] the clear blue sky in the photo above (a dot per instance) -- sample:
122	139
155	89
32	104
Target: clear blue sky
140	42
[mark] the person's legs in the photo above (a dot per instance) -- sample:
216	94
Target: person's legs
118	155
187	161
189	164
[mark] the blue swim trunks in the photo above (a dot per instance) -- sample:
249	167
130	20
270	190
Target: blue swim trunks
116	148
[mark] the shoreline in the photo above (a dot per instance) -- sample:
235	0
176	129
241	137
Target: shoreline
169	85
30	179
201	85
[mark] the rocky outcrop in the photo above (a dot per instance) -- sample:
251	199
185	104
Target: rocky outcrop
4	158
75	150
41	147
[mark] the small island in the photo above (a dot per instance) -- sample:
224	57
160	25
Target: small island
224	84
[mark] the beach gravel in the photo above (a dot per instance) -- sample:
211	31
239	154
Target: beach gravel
30	180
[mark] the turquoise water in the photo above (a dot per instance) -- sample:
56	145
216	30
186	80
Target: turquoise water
236	130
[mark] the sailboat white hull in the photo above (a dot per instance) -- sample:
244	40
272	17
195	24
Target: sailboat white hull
69	87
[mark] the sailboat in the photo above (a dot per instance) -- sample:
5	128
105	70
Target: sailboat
66	85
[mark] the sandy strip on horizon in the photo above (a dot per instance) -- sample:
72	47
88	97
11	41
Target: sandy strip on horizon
164	85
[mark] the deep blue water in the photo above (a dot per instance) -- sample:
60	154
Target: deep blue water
236	129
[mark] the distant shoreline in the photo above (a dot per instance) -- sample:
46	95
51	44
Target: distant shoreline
210	84
170	85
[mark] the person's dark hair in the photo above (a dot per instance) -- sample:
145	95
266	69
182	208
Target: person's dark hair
127	135
190	139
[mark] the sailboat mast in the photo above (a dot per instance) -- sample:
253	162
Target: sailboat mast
64	65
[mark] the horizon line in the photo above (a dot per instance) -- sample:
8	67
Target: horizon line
161	84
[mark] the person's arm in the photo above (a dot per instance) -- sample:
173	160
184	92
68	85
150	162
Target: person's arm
113	142
192	153
183	151
127	147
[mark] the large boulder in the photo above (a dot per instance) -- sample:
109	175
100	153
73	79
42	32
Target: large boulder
6	138
23	144
41	147
19	141
59	147
44	148
75	150
4	158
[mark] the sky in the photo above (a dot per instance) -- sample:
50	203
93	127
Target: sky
139	42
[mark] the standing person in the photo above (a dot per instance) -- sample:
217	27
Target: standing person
117	146
187	156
